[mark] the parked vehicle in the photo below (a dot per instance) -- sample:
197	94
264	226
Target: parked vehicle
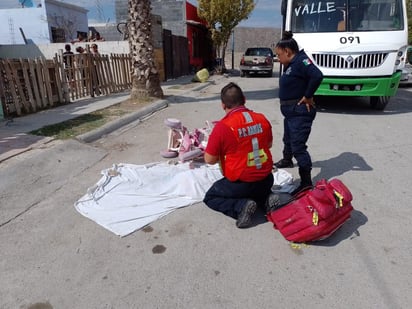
257	60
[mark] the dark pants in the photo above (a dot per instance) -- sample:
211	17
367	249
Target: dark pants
297	125
230	197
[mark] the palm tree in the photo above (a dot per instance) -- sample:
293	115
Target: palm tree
145	78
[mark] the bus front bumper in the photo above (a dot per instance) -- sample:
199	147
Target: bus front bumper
362	87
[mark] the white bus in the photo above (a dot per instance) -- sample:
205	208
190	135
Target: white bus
359	45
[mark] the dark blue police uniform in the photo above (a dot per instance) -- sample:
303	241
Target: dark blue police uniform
300	78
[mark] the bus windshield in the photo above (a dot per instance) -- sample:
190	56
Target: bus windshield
308	16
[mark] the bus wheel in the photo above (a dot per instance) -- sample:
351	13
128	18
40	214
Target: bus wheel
379	103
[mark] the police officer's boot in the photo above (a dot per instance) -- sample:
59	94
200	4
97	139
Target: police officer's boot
286	161
305	180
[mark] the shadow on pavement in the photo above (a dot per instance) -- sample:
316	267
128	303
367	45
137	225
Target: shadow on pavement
400	104
333	167
349	230
19	143
262	94
345	162
179	99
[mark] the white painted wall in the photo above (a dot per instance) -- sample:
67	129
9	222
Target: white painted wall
31	20
36	22
57	12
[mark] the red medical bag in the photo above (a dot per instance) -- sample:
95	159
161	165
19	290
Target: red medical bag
314	214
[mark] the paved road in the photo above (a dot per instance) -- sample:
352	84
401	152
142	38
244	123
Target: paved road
51	255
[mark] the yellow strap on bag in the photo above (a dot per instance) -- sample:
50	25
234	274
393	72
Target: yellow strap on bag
339	198
315	217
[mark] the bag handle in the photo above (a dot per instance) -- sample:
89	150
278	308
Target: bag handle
295	197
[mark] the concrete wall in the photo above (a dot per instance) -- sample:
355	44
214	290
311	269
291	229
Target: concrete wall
121	10
172	12
173	15
110	33
254	37
249	37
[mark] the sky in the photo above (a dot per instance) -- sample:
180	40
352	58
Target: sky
266	13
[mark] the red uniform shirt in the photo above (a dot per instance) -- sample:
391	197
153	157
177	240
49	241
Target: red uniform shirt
241	140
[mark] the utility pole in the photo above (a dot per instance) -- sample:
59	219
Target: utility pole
11	30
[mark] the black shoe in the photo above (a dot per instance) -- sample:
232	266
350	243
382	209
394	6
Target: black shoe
272	202
305	181
245	217
284	163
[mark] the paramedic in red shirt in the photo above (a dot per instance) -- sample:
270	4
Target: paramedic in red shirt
240	142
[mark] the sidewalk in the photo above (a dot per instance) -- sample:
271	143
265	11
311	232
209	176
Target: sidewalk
14	137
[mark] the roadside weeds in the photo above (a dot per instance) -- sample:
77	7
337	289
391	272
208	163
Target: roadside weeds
91	121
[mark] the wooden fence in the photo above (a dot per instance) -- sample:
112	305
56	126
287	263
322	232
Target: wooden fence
31	85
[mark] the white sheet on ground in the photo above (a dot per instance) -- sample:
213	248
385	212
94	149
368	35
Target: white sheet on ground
129	197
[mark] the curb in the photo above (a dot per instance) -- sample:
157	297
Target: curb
201	86
118	123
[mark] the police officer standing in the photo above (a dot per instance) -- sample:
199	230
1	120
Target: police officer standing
297	85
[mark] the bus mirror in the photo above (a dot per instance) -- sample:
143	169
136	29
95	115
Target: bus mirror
283	7
409	55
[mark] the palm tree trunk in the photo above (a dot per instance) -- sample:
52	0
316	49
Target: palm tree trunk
145	78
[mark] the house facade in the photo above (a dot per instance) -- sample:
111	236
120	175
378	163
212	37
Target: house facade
181	19
201	50
48	21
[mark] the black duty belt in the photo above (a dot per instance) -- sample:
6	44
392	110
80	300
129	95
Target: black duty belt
289	102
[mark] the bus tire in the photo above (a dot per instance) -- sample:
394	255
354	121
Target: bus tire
379	103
